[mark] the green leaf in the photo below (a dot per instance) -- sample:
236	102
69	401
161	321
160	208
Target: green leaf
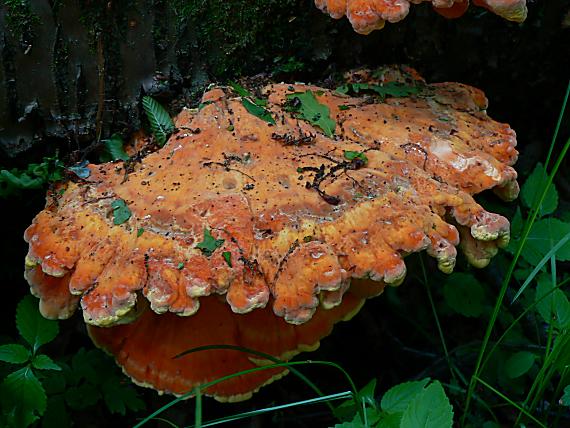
227	257
121	212
533	188
34	328
258	111
114	148
565	399
464	294
347	409
120	398
161	124
43	362
15	354
390	89
555	307
397	398
56	415
309	109
209	244
82	396
518	364
240	90
140	231
392	420
429	409
351	155
23	397
543	236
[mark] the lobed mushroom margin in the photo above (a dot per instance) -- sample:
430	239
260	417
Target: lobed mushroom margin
366	16
270	219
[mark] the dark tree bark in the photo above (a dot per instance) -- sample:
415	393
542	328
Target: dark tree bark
73	72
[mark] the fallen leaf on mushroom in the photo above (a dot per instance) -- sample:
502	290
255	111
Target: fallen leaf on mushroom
265	233
366	16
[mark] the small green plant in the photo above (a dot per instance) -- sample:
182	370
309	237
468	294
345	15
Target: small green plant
407	405
24	398
161	124
35	176
36	386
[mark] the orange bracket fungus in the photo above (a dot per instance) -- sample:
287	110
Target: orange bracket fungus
266	219
369	15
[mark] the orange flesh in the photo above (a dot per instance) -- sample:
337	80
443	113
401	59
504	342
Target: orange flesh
146	347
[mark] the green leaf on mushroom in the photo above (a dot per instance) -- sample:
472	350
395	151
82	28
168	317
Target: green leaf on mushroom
161	124
352	155
121	212
390	89
209	244
308	108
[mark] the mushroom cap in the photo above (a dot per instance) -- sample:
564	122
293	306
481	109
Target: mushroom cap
277	219
369	15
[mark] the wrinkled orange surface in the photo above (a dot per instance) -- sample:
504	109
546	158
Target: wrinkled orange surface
293	241
369	15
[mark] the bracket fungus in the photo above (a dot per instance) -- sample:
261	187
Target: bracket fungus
263	221
366	16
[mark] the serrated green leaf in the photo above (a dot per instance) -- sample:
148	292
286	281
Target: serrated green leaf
544	235
209	244
82	396
258	111
372	417
464	294
121	212
56	415
43	362
54	382
429	409
533	188
120	398
15	354
555	308
114	148
392	420
397	398
519	363
23	397
347	409
161	124
312	111
565	399
33	327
